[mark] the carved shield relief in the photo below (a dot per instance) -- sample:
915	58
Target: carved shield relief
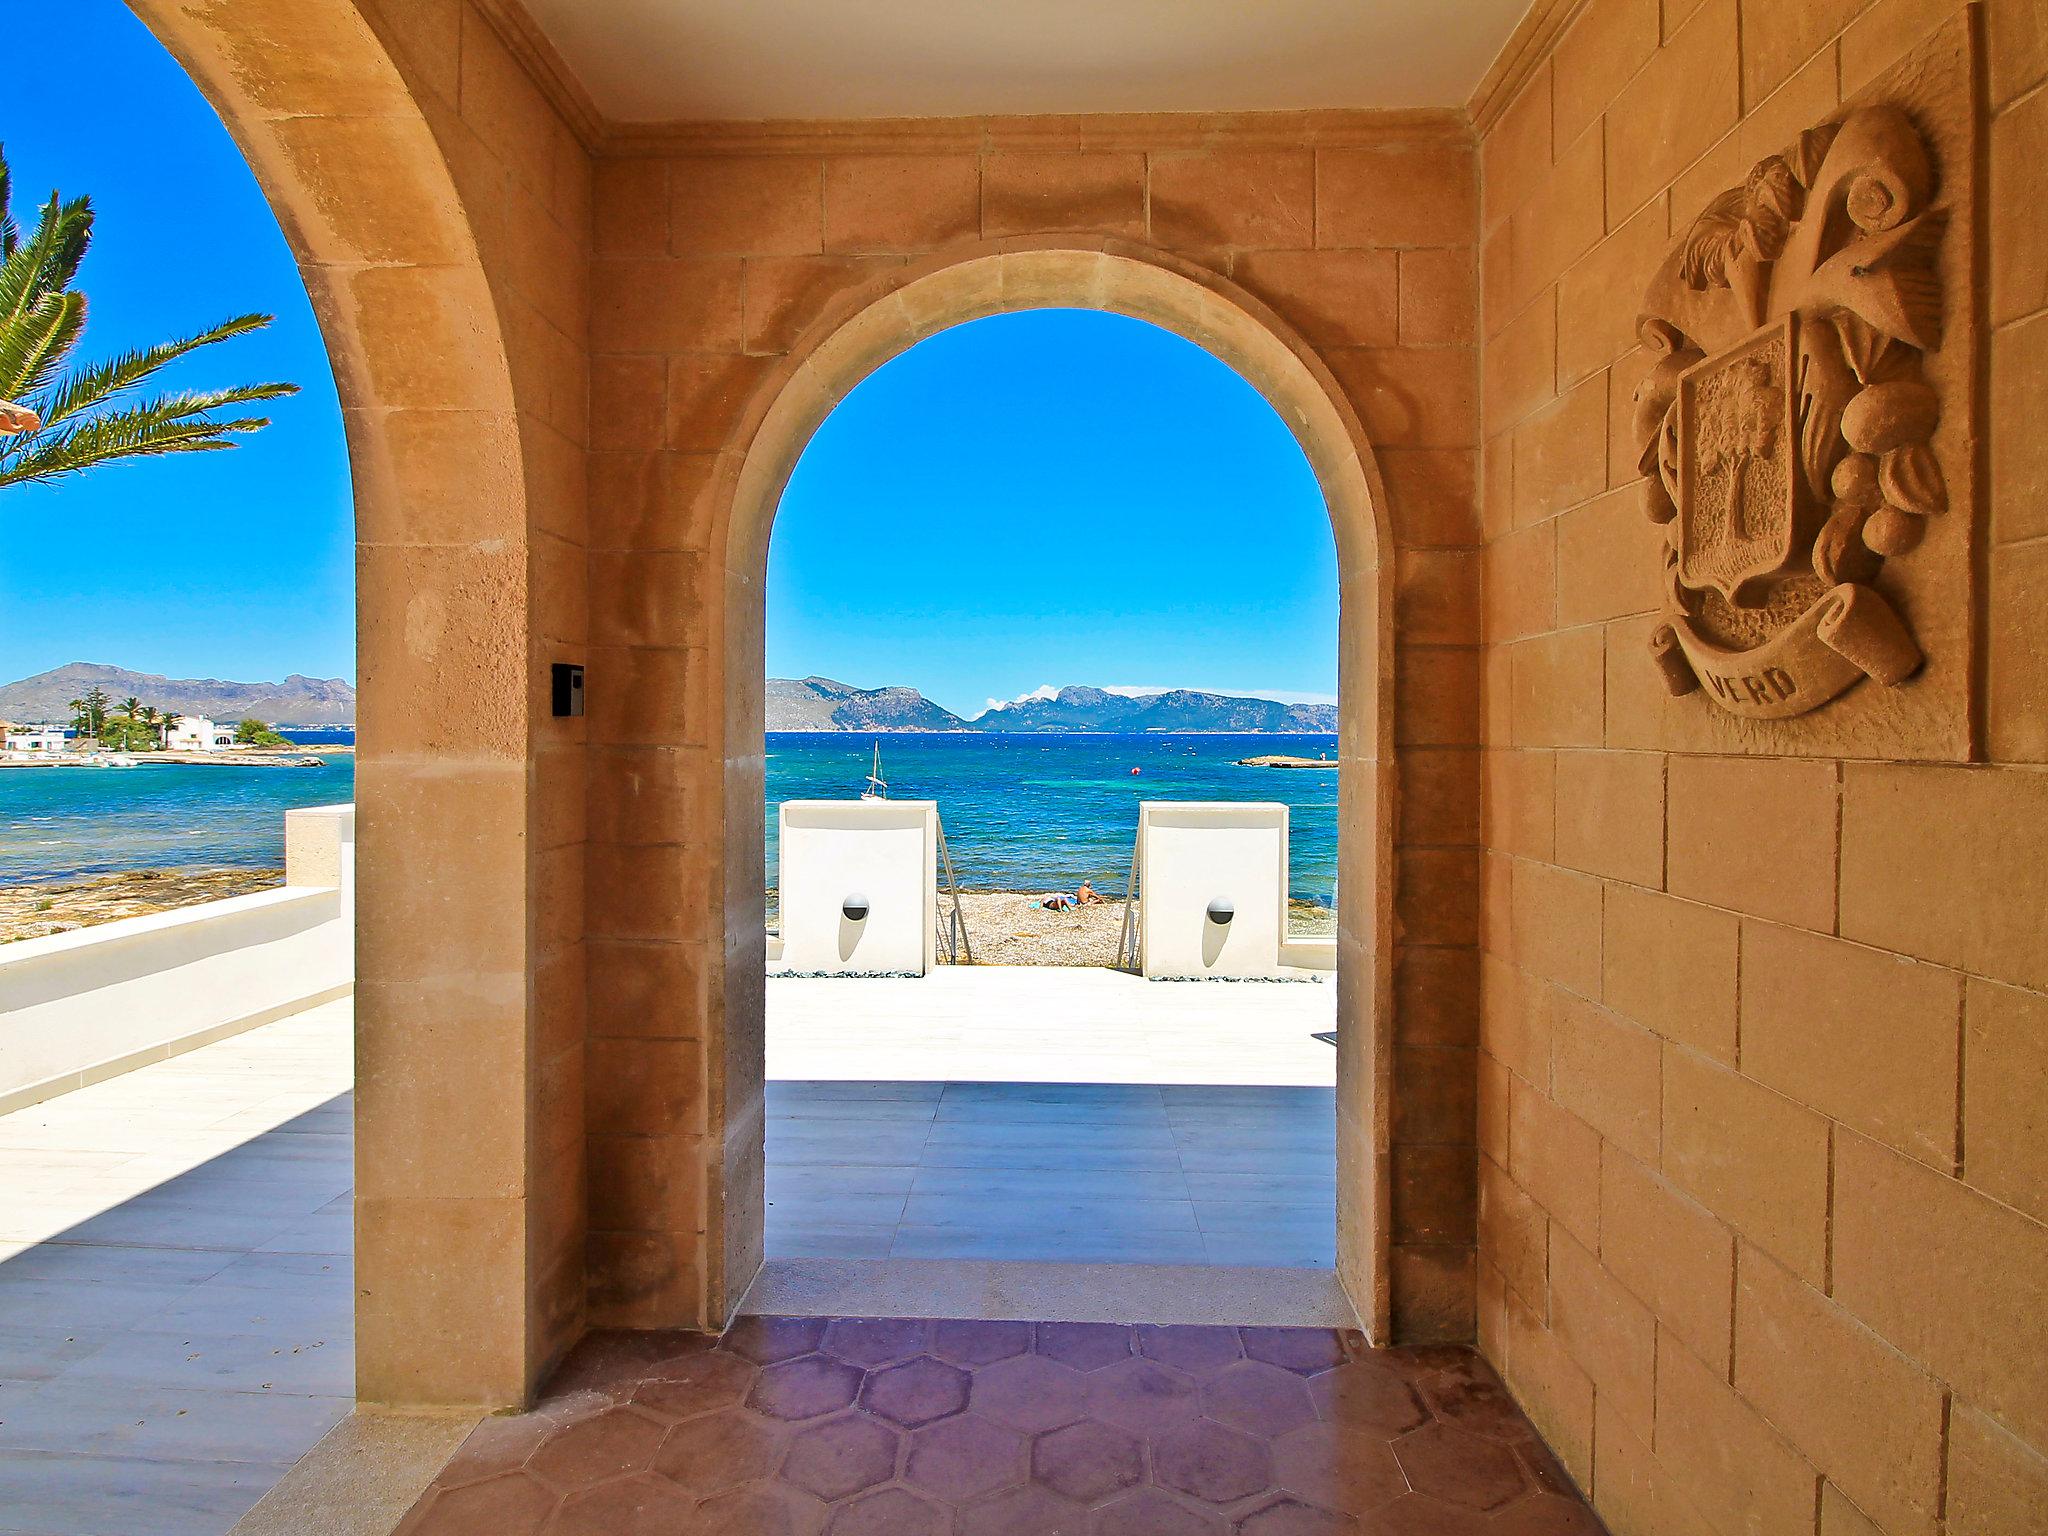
1805	417
1736	476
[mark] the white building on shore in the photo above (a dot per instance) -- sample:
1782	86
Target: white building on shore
36	740
196	733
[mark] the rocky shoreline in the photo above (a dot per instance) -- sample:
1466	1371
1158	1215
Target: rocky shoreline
58	906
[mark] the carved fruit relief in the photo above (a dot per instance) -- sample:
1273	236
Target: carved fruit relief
1784	426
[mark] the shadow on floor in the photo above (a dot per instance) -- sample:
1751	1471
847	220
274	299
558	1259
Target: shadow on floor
164	1360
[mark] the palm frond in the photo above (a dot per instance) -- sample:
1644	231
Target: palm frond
10	236
100	382
34	347
123	436
48	260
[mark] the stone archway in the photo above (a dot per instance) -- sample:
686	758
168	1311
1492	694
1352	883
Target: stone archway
469	1274
859	332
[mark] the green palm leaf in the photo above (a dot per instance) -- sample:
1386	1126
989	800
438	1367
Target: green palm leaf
10	236
48	260
33	349
173	424
99	382
86	421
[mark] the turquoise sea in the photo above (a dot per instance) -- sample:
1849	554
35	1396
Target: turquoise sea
1020	812
1036	813
59	823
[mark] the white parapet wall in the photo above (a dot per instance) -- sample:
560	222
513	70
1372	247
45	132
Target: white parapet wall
877	858
1213	882
83	1006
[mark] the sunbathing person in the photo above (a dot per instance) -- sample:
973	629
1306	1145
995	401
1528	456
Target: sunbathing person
1086	896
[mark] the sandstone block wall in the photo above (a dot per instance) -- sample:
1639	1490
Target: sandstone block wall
1745	1057
1764	1043
714	251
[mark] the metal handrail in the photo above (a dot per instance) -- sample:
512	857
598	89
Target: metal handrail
1127	940
954	931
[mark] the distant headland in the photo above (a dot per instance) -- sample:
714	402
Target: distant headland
820	704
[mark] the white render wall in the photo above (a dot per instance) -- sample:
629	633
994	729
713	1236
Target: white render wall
885	850
1193	852
79	1007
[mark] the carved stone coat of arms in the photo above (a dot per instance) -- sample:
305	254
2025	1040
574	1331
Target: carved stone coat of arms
1785	426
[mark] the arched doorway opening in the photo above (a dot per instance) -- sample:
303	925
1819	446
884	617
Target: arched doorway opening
1042	570
860	332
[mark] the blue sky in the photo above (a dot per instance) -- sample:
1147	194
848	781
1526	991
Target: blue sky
236	564
1031	500
1055	497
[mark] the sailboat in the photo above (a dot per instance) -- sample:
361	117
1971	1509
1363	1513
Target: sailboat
878	787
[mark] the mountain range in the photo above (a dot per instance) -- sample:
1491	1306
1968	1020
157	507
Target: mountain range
793	704
297	700
820	704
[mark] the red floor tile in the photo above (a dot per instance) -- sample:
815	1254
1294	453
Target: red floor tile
891	1427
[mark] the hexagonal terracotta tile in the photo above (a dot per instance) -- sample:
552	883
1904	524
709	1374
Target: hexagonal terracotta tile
876	1340
1088	1461
1227	1420
841	1456
644	1503
967	1342
1418	1512
512	1503
1304	1351
608	1444
1415	1361
1143	1395
1084	1346
720	1450
1544	1469
1027	1511
1460	1468
889	1512
1211	1462
1366	1398
1291	1517
765	1340
762	1511
613	1360
1545	1514
583	1403
1029	1393
500	1443
915	1392
1472	1397
1155	1512
1337	1467
698	1385
1191	1348
1261	1398
963	1457
804	1388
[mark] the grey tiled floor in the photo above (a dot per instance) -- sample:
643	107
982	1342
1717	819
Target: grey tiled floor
1133	1173
176	1323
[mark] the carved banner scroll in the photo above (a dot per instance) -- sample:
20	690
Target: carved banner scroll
1785	427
